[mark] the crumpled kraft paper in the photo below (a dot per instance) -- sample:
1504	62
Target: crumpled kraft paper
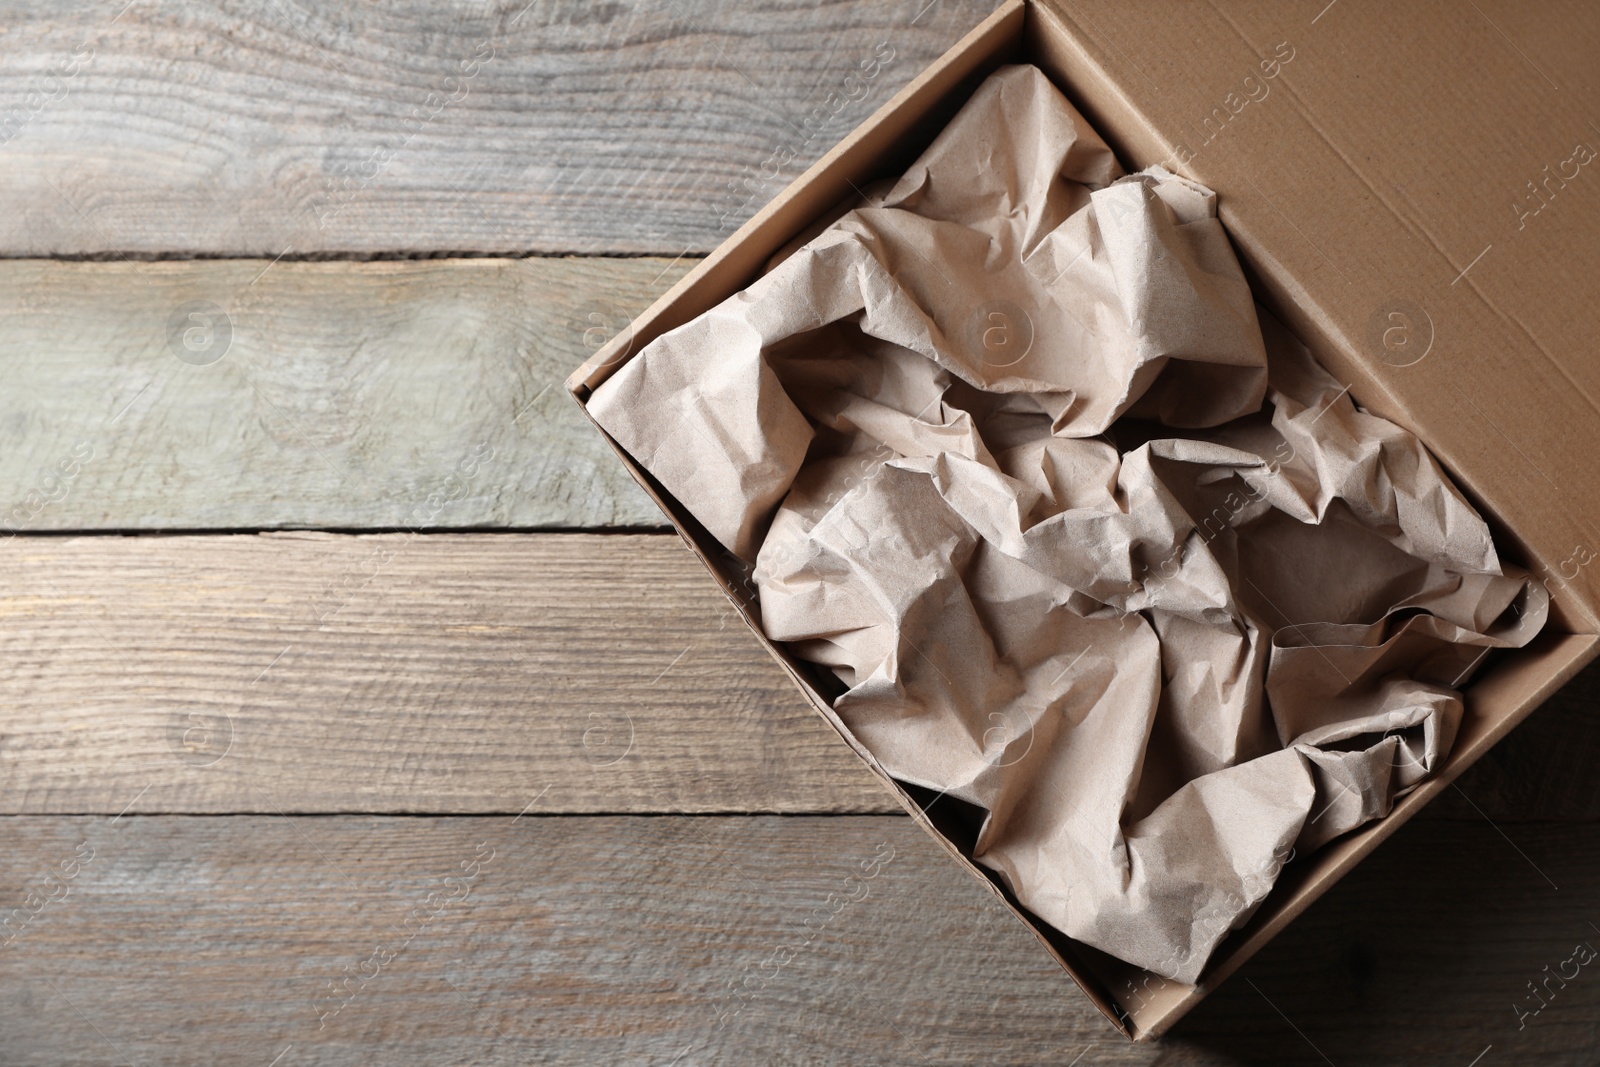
1091	543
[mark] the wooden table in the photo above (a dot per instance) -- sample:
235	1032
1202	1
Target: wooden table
357	709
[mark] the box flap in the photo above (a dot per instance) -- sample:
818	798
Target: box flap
1417	190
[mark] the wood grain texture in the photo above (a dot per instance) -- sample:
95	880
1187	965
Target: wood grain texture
255	127
621	940
457	673
242	394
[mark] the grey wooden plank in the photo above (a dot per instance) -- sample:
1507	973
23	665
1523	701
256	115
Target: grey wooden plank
442	673
574	940
240	394
850	940
258	127
456	673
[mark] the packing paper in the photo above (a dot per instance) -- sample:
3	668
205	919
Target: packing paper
1091	542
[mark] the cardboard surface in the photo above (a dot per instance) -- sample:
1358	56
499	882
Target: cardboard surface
1371	184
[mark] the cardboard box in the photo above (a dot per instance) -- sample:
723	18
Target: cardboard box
1410	194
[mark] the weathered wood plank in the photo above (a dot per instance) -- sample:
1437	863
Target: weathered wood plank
242	394
622	940
453	673
257	127
575	940
457	673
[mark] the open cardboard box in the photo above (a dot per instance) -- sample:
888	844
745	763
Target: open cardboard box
1362	159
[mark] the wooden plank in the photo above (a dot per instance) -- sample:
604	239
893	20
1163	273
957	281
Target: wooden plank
452	673
623	940
258	127
471	655
242	394
580	940
456	673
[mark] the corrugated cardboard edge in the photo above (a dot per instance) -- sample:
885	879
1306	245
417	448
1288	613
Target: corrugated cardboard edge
857	158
